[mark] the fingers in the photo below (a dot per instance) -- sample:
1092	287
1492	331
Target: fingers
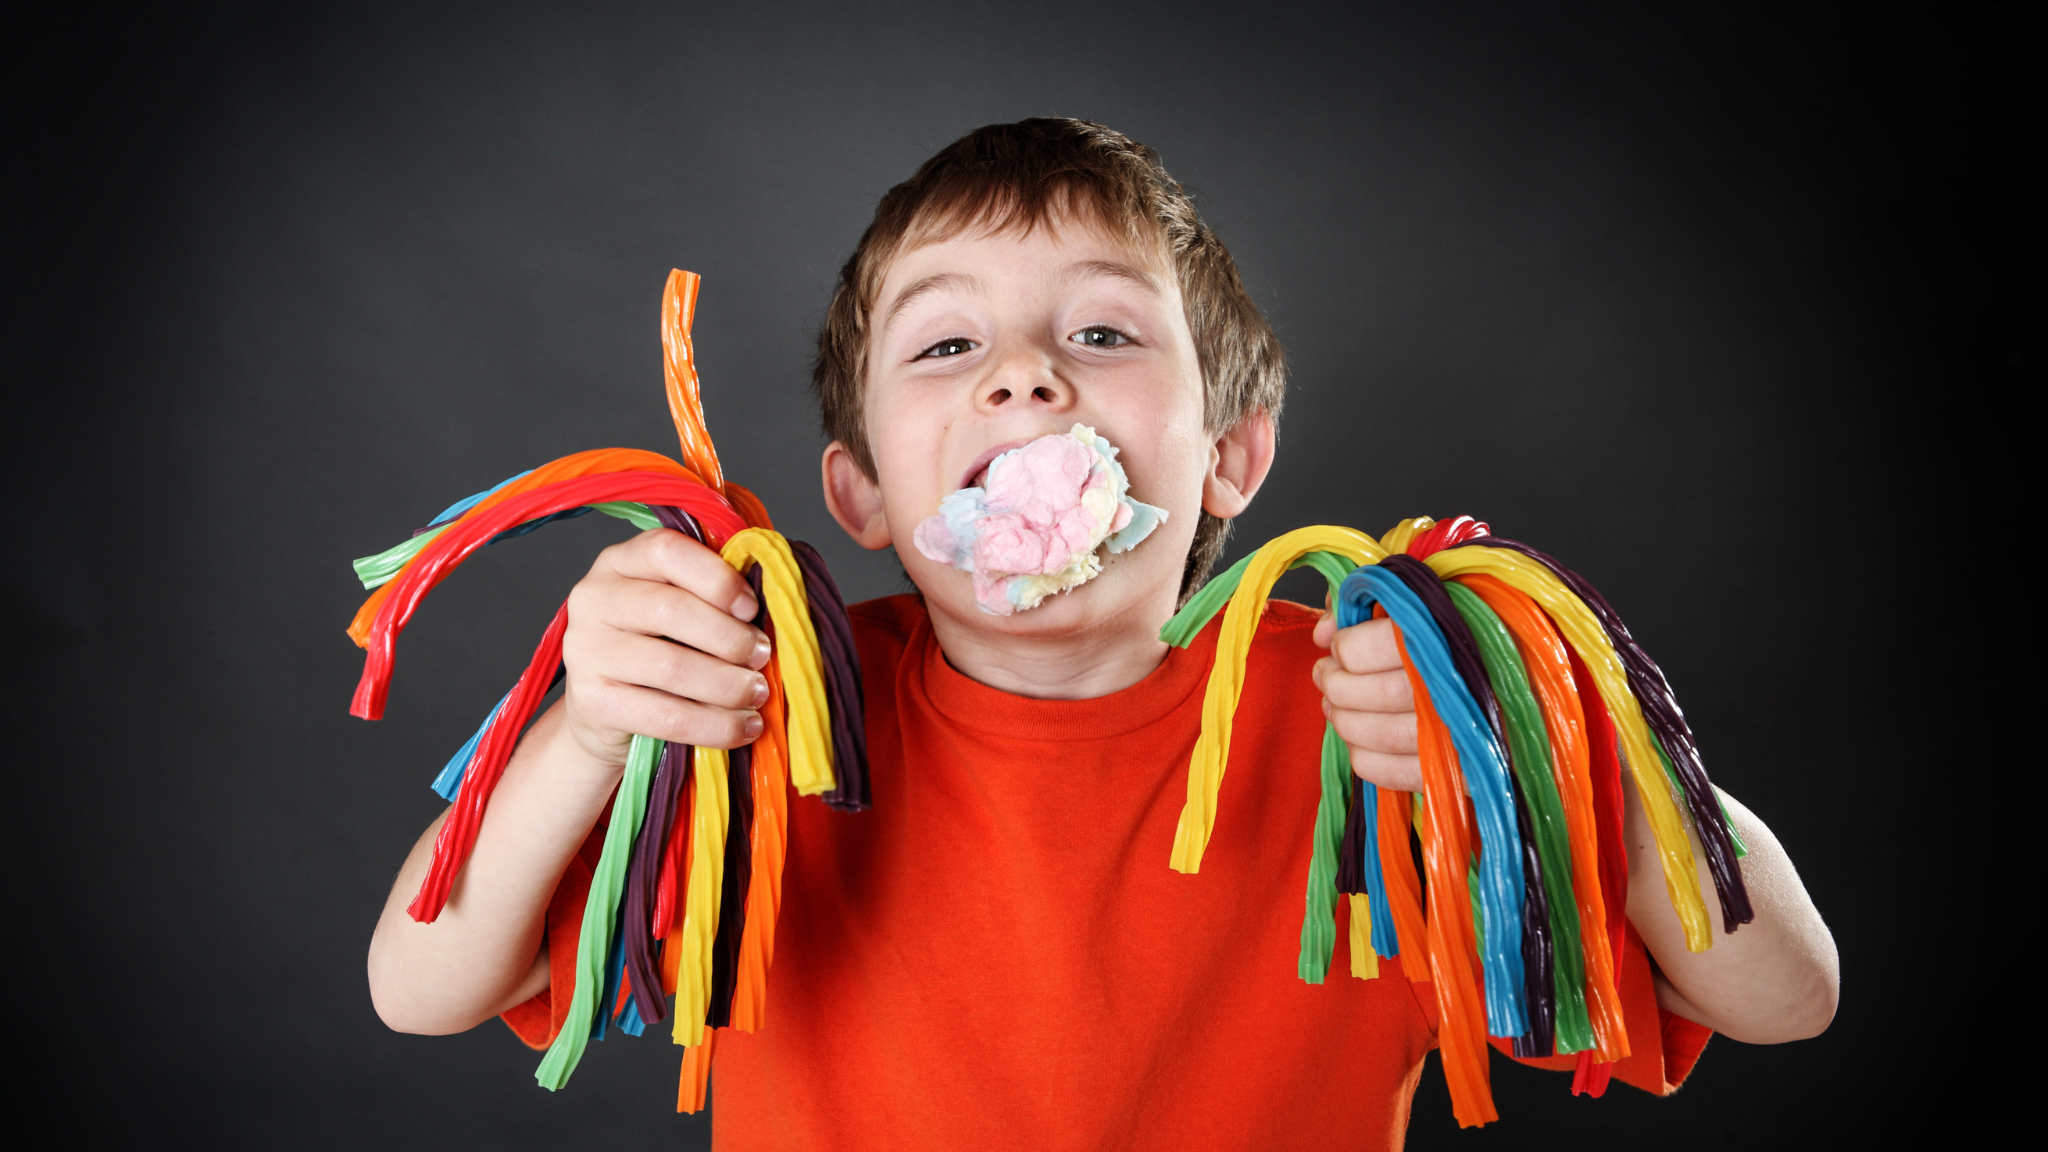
1401	773
1367	647
648	608
629	658
659	644
618	707
669	557
1368	692
1389	732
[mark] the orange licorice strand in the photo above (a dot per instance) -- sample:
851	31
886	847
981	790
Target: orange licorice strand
588	463
1453	952
679	371
748	505
771	832
1564	720
693	1086
1404	888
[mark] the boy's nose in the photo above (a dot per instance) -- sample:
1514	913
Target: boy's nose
1028	377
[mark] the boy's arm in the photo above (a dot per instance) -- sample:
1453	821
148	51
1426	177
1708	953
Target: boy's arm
1774	979
656	644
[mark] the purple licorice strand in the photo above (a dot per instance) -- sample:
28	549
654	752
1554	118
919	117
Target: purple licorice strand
739	867
1667	721
843	689
739	874
739	858
1541	998
1351	849
643	878
1537	945
674	517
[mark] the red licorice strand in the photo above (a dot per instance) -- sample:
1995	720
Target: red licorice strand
458	834
1443	534
554	471
456	544
1609	814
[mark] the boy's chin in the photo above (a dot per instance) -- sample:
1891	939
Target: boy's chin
1112	596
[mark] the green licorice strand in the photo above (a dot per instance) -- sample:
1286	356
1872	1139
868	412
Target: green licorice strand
1532	767
600	915
1319	918
631	511
1203	606
379	569
1333	567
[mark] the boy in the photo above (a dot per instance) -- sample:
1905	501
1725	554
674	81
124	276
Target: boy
997	954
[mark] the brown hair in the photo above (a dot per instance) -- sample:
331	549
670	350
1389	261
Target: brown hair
1030	174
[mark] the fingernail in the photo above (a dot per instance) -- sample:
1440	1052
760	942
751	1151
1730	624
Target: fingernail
746	607
760	694
755	726
759	659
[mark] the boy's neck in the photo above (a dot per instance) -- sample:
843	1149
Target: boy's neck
1107	657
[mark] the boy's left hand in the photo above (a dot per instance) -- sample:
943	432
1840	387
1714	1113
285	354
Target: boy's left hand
1367	698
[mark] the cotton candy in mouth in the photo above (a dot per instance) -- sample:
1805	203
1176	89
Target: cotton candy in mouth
1035	524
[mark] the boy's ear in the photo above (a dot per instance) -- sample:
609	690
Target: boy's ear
853	499
1238	465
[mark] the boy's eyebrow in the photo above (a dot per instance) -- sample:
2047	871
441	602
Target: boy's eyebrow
939	282
1114	269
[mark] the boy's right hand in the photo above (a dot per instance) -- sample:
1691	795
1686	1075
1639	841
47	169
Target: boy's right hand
658	644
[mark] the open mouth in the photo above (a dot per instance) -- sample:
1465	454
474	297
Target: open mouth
977	475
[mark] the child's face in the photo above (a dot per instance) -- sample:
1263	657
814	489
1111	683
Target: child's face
983	343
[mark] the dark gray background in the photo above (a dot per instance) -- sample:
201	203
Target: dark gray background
1698	299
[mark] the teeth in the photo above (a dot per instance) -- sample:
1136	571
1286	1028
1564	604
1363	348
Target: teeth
1030	524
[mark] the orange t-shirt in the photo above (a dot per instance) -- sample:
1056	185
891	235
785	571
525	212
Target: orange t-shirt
997	955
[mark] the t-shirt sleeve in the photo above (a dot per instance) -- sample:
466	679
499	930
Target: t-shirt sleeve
1663	1046
537	1021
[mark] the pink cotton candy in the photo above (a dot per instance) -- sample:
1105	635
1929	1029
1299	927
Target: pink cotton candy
1038	524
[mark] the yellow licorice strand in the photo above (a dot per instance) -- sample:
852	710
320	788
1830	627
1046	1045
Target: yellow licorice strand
1365	963
1400	535
710	817
1226	679
803	670
1575	620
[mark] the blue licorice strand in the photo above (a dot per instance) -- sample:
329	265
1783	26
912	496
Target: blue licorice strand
630	1021
600	916
1499	883
449	782
1534	921
456	509
1385	940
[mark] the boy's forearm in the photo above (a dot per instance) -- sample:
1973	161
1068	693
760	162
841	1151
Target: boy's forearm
1774	979
485	952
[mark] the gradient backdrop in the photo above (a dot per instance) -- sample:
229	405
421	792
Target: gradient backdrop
1693	298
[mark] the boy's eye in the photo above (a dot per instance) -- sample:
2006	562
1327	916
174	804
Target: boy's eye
951	346
1099	337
